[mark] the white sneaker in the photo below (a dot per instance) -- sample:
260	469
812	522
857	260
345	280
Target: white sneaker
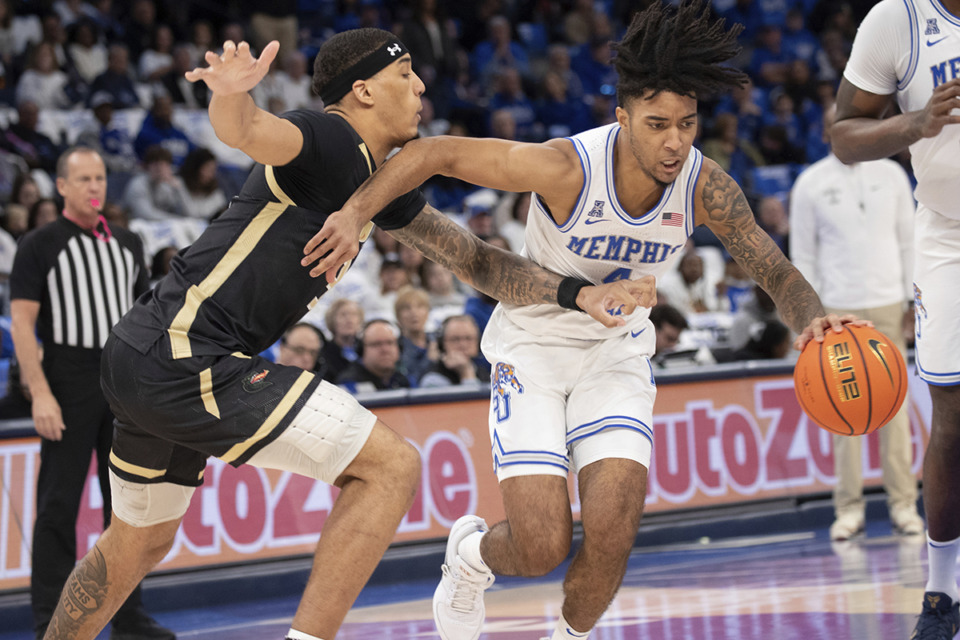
907	522
458	609
847	526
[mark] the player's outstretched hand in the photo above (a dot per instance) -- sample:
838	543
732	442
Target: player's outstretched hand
236	70
610	303
818	327
337	242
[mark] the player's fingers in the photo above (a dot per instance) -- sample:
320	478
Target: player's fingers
193	76
268	54
318	238
834	321
243	49
229	49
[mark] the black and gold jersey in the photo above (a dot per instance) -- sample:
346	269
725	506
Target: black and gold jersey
241	285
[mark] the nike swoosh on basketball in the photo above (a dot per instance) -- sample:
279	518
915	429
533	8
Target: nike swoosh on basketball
875	347
634	334
594	220
933	42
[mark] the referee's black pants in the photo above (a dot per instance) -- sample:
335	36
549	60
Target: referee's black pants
74	378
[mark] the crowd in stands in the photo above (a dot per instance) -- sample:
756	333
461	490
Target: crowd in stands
519	69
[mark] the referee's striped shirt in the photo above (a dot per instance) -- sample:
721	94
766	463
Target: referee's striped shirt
84	283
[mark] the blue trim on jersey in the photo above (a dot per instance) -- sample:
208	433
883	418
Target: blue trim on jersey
648	217
691	188
548	464
914	45
949	17
582	198
930	377
628	427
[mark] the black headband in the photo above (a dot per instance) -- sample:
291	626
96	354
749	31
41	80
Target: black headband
368	66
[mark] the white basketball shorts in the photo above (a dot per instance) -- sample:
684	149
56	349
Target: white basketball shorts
559	404
936	296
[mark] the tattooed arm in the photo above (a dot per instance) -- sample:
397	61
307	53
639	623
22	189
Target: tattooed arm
723	208
509	277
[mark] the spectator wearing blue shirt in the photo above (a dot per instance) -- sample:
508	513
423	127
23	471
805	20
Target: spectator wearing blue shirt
592	65
748	13
114	143
744	102
799	43
498	51
769	63
116	80
781	113
158	129
510	97
561	115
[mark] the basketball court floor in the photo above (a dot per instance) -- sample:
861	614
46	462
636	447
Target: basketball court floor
788	586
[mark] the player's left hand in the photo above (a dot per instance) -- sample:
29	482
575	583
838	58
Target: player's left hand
610	303
818	328
337	243
236	70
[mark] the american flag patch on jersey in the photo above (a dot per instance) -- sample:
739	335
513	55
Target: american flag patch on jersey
672	219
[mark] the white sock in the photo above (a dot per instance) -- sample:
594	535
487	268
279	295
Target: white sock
293	634
469	550
564	631
942	558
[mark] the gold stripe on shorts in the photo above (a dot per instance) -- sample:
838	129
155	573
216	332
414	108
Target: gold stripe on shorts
136	470
285	404
197	294
206	393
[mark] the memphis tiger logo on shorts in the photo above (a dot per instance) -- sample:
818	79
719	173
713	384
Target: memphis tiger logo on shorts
504	379
256	381
918	307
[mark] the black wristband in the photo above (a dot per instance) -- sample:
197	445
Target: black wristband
568	290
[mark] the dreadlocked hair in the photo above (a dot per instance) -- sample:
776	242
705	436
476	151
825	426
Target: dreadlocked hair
344	50
680	50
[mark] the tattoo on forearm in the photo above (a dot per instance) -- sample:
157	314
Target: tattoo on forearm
84	593
733	222
500	274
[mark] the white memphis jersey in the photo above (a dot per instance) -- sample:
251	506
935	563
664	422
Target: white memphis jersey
910	47
600	242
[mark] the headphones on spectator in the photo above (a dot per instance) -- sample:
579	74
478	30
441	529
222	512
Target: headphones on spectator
393	329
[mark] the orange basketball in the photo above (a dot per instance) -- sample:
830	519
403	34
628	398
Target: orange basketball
851	383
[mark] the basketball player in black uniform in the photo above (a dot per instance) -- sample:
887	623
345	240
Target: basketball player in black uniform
181	372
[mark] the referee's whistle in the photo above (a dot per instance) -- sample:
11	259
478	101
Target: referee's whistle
95	203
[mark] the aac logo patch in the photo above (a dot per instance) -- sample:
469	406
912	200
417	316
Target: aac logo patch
256	382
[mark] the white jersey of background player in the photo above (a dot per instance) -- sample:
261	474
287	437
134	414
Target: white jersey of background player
910	49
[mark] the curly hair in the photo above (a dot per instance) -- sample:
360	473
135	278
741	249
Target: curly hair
679	50
342	51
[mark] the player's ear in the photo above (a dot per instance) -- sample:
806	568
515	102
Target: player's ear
362	91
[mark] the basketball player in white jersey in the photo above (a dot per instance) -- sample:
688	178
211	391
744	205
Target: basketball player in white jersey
911	49
615	202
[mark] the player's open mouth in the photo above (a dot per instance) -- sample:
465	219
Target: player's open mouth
671	165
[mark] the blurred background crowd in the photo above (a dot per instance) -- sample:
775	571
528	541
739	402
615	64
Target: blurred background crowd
109	75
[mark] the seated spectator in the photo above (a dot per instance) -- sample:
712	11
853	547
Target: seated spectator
43	212
23	139
460	362
44	83
201	41
781	114
393	276
592	65
72	11
498	51
192	95
117	79
417	349
688	288
87	54
300	347
735	154
158	193
204	197
293	81
772	341
558	61
445	298
510	96
769	62
160	264
15	219
744	102
157	60
756	311
560	115
25	190
669	324
17	32
344	320
379	356
798	42
772	218
774	145
412	260
112	142
158	129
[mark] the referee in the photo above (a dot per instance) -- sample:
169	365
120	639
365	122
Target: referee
71	281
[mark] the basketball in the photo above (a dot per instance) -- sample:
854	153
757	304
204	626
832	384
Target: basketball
851	383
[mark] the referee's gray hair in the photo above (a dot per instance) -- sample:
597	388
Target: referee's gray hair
65	158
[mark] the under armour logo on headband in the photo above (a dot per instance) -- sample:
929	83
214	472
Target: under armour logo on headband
394	49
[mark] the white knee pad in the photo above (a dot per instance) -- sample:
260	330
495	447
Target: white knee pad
323	439
144	505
